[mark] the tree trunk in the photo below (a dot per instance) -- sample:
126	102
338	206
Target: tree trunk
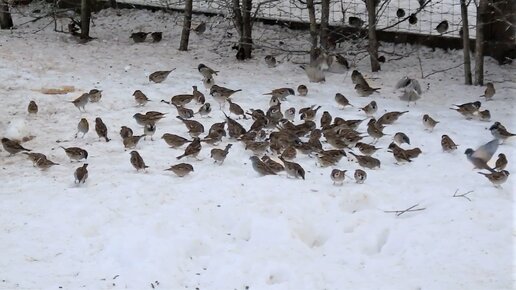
85	18
373	40
465	42
6	21
187	24
324	30
313	29
479	43
246	38
237	16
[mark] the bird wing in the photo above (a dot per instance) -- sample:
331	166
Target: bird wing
402	83
486	151
414	84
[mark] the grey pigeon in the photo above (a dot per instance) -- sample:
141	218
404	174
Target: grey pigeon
483	154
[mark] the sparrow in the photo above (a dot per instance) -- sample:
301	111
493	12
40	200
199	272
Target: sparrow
181	169
204	110
358	78
274	101
34	157
289	153
290	114
366	149
429	123
413	153
447	144
208	83
157	36
355	21
412	19
101	129
374	131
192	149
235	129
236	109
194	127
442	27
214	136
184	112
302	90
140	98
370	109
149	130
205	71
400	138
342	100
308	114
257	147
44	163
173	140
338	176
326	119
137	161
130	142
218	127
80	102
411	89
390	117
314	73
365	91
497	178
32	108
95	95
281	93
75	153
482	155
366	161
81	174
125	132
293	169
260	166
221	94
181	100
360	176
501	162
327	158
219	155
138	37
12	146
500	132
82	127
275	166
489	91
467	110
160	76
151	117
198	96
400	13
270	60
200	28
484	115
399	154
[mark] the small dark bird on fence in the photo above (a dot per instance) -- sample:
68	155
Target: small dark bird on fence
157	36
139	36
200	28
355	22
400	13
442	27
412	19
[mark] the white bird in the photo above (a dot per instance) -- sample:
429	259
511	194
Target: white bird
411	89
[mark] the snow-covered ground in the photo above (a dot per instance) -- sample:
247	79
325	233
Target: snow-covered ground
225	227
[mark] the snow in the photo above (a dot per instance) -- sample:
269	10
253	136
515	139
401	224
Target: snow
224	227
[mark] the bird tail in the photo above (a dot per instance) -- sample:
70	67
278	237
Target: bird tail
179	157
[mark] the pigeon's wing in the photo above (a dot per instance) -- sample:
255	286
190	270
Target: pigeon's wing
486	151
415	85
402	83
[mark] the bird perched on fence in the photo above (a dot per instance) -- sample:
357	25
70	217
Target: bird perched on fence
481	156
442	27
489	91
160	76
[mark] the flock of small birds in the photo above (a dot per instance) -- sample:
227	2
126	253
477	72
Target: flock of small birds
275	138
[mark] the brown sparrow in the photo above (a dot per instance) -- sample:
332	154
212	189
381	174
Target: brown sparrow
399	154
497	178
447	144
194	127
221	94
181	100
482	155
198	96
95	95
357	78
342	101
151	117
236	109
270	60
484	115
82	127
400	138
130	142
208	83
370	109
500	132
204	110
275	166
181	169
205	71
309	114
260	166
80	102
101	129
501	162
12	146
467	109
214	136
184	112
289	153
157	36
125	132
413	153
235	129
281	93
365	91
34	157
81	174
32	108
326	119
137	161
258	148
429	123
160	76
360	176
174	141
44	163
290	114
293	169
192	149
489	92
366	161
366	149
390	117
327	158
302	90
140	98
338	176
75	153
219	155
374	131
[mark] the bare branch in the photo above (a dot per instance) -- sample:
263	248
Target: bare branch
463	194
410	209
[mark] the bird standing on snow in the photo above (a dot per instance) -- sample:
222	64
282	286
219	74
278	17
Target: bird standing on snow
101	129
137	161
160	76
32	108
482	155
497	178
181	169
12	146
81	174
411	89
314	73
206	71
82	127
500	132
338	176
360	176
489	92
